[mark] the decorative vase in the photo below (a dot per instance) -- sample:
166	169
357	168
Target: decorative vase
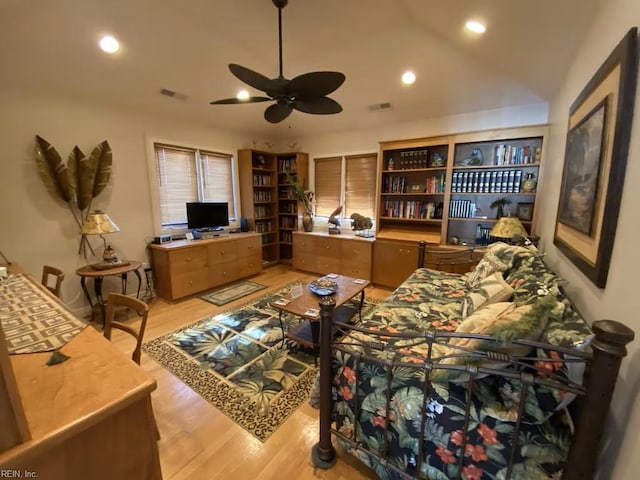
307	222
529	183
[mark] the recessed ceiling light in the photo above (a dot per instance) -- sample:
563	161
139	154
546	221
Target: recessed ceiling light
109	44
475	26
243	95
408	77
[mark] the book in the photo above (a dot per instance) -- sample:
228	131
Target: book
312	312
281	302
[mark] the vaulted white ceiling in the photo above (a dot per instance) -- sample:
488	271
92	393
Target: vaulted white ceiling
185	46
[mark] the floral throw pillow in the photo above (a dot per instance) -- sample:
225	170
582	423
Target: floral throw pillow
491	289
499	257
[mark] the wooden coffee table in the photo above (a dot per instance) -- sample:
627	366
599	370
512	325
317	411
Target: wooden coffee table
308	331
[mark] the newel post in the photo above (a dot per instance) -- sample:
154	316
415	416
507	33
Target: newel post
609	347
323	454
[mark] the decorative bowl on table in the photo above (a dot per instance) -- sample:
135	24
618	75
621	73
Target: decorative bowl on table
323	287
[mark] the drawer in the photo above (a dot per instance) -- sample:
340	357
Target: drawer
356	251
303	243
188	283
248	247
188	260
222	252
328	247
305	261
223	272
250	265
356	269
326	265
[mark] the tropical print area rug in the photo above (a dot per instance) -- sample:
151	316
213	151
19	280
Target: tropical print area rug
236	360
233	292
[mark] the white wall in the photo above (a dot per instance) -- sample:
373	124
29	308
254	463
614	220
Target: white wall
36	228
621	457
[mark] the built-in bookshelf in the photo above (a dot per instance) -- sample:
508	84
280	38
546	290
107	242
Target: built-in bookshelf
291	167
441	189
267	198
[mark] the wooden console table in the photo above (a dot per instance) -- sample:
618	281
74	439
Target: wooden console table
185	267
88	417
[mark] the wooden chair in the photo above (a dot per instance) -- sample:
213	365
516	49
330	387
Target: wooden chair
115	300
49	272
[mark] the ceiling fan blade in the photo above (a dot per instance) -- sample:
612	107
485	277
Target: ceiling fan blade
254	79
277	112
316	84
234	101
318	106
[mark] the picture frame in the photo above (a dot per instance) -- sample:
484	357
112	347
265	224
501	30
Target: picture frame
525	211
598	135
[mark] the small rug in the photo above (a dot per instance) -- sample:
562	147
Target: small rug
232	292
237	362
31	320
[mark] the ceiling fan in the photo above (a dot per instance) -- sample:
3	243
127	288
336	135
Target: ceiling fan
306	93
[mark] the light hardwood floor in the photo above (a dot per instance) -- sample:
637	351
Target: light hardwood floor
198	442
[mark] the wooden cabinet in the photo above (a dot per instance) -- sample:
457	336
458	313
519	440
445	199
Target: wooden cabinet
321	253
187	267
267	198
393	261
441	189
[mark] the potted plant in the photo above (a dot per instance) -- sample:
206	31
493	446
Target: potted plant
500	203
305	197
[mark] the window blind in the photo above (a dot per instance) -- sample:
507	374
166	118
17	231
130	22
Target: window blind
328	175
360	185
177	183
217	179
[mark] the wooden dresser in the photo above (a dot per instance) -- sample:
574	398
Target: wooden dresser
186	267
342	254
87	417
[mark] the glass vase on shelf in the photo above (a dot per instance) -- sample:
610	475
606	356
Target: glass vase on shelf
529	183
307	221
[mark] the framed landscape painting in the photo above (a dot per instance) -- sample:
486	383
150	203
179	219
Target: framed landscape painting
598	135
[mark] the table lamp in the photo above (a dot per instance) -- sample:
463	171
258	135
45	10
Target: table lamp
508	227
99	223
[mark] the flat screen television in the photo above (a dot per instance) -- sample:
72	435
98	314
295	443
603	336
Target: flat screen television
207	215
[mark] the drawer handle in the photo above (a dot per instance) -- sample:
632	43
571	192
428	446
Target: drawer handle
188	259
190	282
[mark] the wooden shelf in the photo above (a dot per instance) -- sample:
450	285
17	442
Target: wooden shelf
497	167
417	220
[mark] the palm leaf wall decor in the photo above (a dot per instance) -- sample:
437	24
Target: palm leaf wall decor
54	171
78	182
102	155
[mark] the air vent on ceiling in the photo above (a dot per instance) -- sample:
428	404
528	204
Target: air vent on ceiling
170	93
379	106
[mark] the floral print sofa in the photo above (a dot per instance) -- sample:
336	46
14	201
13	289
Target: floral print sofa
509	295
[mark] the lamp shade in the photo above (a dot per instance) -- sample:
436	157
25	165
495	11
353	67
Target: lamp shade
508	227
97	223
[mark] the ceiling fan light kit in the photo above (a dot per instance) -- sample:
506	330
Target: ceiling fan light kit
306	93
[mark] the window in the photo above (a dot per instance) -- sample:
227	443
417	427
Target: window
191	175
349	181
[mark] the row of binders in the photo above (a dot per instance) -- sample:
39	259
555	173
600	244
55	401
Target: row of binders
287	165
462	209
261	180
496	181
